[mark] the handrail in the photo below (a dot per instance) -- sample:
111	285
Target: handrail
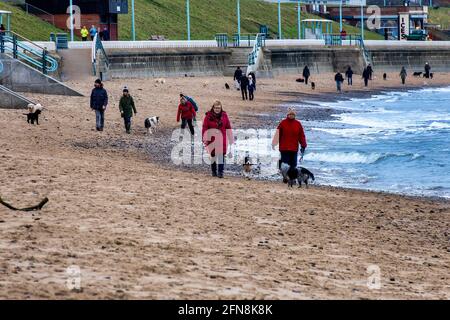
337	39
98	45
9	42
260	41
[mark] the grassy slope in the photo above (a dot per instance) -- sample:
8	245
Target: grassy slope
440	16
28	26
208	17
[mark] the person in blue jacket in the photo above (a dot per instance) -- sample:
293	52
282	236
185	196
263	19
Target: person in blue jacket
99	102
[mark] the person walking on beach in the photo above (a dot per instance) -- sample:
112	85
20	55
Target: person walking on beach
84	33
99	102
217	135
194	104
244	87
339	80
251	88
237	77
427	70
186	113
127	107
289	135
306	74
253	78
370	71
403	75
92	32
349	75
365	76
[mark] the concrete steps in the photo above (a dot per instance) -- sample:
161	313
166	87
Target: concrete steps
239	58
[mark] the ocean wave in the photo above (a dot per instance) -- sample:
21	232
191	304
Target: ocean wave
357	157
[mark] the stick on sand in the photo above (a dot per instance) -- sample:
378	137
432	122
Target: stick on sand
34	208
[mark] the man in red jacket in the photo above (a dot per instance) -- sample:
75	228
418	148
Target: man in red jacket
186	112
289	135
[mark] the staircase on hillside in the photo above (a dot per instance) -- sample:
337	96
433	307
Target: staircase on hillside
239	58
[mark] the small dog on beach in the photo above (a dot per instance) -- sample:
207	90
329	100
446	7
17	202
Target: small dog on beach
313	85
431	75
417	74
302	175
160	80
151	124
34	110
227	86
301	80
384	76
249	169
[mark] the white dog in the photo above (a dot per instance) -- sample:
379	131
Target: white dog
151	124
160	80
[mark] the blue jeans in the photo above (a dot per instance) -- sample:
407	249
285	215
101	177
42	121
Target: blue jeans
99	119
350	81
338	85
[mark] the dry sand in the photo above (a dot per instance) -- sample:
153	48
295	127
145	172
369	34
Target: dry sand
143	229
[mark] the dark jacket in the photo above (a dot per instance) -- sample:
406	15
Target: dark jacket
349	73
369	70
99	98
366	74
237	75
338	77
127	107
306	72
244	82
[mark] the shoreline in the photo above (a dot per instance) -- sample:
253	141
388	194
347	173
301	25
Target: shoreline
139	228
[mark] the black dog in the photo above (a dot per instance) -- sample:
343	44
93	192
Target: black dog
384	76
301	80
313	85
227	86
417	74
33	116
431	75
302	175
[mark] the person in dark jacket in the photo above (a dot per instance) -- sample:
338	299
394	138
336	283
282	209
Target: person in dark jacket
306	74
216	136
105	34
427	70
251	88
403	75
244	87
99	102
127	107
237	74
349	75
339	80
366	76
254	78
2	29
370	71
186	113
289	135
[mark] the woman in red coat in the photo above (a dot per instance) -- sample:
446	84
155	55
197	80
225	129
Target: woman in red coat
186	112
217	135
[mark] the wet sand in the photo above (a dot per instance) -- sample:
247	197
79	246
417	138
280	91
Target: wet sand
138	227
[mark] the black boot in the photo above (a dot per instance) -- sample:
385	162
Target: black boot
214	169
221	168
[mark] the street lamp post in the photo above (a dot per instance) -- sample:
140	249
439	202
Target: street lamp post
71	21
279	20
188	20
299	19
239	17
362	21
133	26
340	16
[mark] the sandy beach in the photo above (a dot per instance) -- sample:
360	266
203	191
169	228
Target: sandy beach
138	227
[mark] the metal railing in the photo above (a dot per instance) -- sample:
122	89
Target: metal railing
96	46
348	40
26	50
260	42
35	11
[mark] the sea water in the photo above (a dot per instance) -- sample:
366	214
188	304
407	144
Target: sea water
395	142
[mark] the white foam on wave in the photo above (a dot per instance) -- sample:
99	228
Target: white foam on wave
356	157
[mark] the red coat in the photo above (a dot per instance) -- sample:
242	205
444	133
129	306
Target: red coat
290	134
186	111
209	133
